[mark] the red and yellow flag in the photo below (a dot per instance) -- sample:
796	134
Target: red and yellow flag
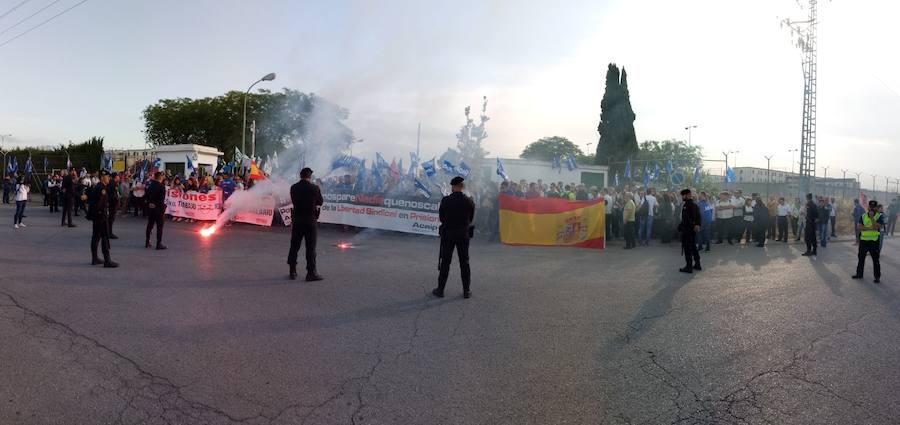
552	222
255	172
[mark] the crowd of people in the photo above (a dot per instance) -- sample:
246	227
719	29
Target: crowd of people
638	215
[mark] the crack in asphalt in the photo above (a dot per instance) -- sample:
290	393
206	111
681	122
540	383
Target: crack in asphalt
146	398
744	405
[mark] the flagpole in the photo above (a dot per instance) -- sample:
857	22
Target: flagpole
418	139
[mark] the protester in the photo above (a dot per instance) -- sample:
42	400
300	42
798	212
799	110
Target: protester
761	219
69	196
707	215
690	225
783	211
824	216
812	221
857	214
628	212
724	216
20	193
749	228
156	209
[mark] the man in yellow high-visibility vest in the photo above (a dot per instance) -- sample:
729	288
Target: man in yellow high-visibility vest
869	228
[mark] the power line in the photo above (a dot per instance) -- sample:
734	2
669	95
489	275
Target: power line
29	17
43	23
14	8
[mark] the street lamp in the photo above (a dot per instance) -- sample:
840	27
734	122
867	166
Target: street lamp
353	142
2	141
768	164
844	184
267	77
689	128
792	151
825	182
873	183
726	164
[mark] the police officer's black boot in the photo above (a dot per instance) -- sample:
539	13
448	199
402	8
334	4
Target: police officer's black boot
312	276
293	274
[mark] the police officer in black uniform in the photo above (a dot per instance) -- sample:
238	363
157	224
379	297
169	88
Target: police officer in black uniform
156	209
112	190
457	213
98	212
690	225
68	195
812	222
307	199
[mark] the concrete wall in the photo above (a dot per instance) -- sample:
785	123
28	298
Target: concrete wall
532	171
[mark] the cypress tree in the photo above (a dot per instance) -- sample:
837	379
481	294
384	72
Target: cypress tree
618	140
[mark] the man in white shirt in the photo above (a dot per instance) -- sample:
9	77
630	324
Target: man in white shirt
724	216
784	210
737	222
646	230
833	217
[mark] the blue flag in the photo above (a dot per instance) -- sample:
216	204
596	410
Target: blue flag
423	189
628	169
646	176
413	163
400	168
380	162
344	161
157	164
697	175
448	167
45	164
669	167
13	165
107	162
617	180
655	171
376	174
28	167
677	178
428	166
500	171
556	163
68	162
361	177
570	162
729	175
463	170
190	164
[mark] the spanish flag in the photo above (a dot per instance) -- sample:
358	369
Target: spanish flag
552	222
255	173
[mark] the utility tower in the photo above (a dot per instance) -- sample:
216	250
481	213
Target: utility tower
805	36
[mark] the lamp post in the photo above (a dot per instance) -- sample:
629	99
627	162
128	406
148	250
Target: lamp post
844	183
873	182
726	165
353	142
689	128
768	163
792	151
267	77
2	141
825	182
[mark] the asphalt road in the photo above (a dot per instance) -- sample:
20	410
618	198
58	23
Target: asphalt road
212	332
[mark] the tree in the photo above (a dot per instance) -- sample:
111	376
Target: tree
86	154
547	148
680	153
281	118
618	141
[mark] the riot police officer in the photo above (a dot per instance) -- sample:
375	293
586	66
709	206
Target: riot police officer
689	227
307	199
457	213
98	213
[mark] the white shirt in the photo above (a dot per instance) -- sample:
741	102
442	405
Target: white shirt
727	212
833	211
651	204
748	213
21	192
783	210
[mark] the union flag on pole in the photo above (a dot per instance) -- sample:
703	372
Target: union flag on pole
552	222
255	173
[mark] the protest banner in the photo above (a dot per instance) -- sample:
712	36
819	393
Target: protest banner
195	205
400	213
552	222
260	213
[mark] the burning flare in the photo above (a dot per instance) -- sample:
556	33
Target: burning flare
208	231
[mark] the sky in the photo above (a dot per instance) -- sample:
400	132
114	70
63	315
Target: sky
727	67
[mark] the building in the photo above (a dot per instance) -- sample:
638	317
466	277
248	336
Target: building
173	158
530	170
784	183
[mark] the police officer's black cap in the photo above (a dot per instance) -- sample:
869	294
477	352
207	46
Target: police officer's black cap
685	192
457	181
873	204
306	172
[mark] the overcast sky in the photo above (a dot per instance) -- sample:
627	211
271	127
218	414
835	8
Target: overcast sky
727	67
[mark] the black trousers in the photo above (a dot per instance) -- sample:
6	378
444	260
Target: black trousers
810	237
457	239
782	228
100	235
53	201
871	248
155	218
301	231
689	246
110	220
68	206
759	233
629	234
609	226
